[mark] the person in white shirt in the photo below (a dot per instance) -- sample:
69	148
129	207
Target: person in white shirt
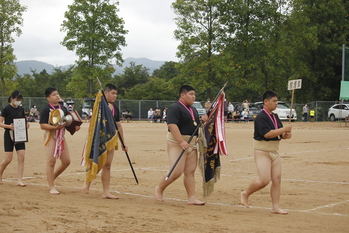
150	114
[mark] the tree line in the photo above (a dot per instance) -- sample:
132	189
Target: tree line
254	45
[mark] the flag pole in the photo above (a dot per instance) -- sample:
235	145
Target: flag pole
120	137
191	137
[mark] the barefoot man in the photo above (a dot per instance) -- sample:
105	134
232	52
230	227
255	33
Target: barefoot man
268	130
110	94
182	120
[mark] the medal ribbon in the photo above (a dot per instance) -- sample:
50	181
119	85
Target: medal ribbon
190	110
272	118
113	110
59	147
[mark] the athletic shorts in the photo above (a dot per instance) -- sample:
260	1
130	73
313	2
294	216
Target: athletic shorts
8	143
272	147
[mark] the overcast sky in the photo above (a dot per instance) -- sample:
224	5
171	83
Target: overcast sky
149	22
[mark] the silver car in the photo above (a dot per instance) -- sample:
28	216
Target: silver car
199	108
338	111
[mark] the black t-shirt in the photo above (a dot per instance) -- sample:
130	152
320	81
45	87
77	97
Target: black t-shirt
263	124
10	112
180	116
45	113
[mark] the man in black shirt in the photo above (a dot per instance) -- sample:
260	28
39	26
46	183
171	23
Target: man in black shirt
268	131
182	120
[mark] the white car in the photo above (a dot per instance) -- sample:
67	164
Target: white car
338	111
283	111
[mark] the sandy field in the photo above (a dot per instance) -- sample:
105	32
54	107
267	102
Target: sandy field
315	187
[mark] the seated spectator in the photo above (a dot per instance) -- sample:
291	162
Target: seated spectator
164	115
150	114
126	115
157	115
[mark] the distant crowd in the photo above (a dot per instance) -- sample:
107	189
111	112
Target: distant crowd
238	112
157	115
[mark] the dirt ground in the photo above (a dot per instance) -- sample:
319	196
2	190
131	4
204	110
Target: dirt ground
315	187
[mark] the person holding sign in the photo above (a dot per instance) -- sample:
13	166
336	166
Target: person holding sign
8	114
268	131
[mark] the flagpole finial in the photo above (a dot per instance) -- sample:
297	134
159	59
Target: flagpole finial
99	82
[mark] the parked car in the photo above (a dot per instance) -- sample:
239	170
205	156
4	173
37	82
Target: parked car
283	111
86	106
199	108
254	110
338	111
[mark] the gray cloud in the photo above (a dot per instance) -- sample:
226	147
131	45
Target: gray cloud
150	24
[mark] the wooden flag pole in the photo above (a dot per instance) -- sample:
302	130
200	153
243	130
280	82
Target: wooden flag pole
191	137
291	106
120	137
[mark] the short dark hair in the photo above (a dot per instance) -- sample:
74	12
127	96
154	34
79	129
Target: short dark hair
268	95
15	95
185	89
49	91
110	87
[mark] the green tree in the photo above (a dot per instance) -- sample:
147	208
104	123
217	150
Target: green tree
254	46
317	30
131	76
167	71
10	21
198	30
34	85
154	89
96	33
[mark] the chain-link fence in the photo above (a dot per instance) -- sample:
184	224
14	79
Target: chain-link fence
139	108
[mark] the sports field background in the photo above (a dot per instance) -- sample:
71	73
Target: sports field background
315	187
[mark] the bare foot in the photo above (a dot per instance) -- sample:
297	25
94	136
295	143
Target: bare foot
195	202
86	188
109	196
158	194
21	184
54	191
279	211
244	199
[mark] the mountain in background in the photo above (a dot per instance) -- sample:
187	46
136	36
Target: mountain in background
25	67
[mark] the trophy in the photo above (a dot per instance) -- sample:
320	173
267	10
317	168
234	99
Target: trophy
72	119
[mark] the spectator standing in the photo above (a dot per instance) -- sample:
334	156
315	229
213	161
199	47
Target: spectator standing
32	113
305	113
225	110
164	115
245	104
208	105
70	104
312	114
230	110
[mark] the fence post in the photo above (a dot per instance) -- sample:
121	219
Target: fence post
139	110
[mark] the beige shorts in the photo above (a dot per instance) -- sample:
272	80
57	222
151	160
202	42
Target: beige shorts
272	147
172	142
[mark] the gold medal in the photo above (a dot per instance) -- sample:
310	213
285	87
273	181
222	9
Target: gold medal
195	123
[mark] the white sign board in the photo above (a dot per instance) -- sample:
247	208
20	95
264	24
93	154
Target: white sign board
20	133
294	84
